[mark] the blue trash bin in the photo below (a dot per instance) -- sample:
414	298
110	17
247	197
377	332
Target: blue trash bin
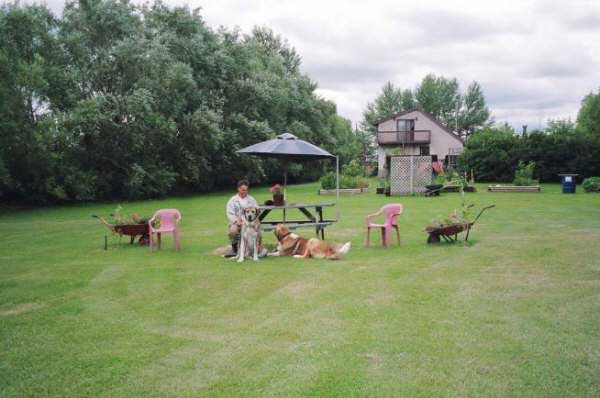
568	183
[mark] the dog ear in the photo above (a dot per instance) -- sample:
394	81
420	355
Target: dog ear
277	231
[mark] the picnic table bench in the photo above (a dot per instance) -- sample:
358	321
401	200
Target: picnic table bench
312	220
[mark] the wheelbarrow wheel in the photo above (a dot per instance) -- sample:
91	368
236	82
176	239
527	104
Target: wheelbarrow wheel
144	240
433	238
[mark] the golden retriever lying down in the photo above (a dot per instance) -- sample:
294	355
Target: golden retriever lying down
291	244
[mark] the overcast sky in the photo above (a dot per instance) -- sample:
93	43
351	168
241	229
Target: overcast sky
535	60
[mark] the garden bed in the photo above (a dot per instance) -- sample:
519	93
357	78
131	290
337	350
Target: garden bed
345	191
514	188
456	188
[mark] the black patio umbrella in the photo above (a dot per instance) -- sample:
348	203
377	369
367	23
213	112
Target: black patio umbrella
288	147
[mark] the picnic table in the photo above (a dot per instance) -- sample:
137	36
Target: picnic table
312	220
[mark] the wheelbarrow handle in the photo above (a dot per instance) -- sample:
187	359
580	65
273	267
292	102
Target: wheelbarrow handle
481	212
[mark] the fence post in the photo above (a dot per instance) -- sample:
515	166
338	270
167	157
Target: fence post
412	174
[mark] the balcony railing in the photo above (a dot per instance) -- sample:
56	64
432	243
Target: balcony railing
404	137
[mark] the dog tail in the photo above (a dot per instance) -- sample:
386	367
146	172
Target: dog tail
341	252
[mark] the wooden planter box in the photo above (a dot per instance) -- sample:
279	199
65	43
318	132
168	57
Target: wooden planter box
347	191
513	188
456	188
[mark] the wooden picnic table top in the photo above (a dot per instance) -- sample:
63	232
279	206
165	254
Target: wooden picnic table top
312	220
296	206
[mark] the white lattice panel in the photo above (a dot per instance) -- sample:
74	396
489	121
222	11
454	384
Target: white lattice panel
409	174
400	175
422	172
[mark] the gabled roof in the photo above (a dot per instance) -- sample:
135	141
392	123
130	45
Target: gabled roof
427	115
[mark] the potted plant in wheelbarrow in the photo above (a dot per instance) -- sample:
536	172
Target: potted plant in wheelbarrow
449	228
133	226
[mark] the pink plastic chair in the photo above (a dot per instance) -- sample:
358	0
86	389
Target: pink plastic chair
169	221
391	211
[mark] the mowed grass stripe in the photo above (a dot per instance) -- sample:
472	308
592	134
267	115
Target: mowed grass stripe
512	313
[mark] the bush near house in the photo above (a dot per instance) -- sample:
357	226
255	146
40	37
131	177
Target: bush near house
524	174
351	177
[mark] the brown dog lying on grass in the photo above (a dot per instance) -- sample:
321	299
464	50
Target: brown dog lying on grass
291	244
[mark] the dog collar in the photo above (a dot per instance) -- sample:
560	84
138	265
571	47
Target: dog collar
284	236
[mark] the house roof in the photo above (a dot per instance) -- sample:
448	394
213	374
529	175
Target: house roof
426	114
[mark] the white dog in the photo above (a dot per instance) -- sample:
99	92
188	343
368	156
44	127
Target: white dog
250	234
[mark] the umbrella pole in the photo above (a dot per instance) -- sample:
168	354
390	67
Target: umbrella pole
337	187
285	167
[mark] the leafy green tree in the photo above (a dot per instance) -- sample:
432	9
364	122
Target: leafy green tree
30	77
588	118
474	113
115	100
391	100
440	97
489	153
561	126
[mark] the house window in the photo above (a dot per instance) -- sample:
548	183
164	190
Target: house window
424	150
406	124
451	161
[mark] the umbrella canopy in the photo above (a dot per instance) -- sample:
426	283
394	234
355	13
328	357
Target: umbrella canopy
287	146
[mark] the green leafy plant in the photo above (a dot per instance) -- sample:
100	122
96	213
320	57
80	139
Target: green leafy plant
591	184
328	181
351	182
524	174
117	215
439	179
461	215
352	169
351	178
119	218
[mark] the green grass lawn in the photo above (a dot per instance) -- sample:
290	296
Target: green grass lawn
516	312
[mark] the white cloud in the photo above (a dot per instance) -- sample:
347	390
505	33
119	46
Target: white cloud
535	60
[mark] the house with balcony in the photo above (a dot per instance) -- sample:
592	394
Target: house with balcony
416	133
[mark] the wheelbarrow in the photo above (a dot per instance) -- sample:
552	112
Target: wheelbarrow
450	232
132	230
433	189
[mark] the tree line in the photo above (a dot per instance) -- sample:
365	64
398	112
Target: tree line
464	113
564	146
119	101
